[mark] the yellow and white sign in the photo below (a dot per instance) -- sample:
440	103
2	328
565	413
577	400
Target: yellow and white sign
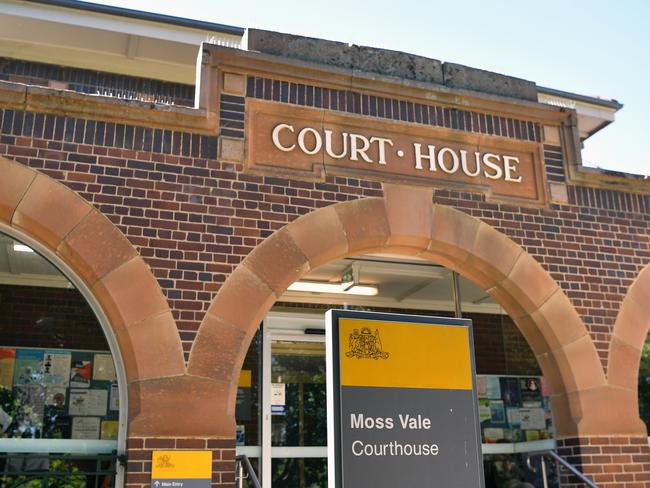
181	469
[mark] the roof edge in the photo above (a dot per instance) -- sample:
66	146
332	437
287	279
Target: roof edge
602	102
142	15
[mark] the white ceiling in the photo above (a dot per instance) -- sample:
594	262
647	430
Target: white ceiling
415	285
27	268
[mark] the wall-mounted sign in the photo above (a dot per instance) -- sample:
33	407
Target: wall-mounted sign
401	401
311	143
181	469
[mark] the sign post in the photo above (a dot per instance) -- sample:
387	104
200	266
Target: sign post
402	406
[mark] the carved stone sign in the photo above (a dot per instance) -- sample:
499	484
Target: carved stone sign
310	143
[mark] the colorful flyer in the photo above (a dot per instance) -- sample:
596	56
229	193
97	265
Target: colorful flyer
88	402
109	429
7	363
493	387
493	435
531	392
513	416
80	374
85	427
28	368
481	386
103	368
532	418
29	416
497	412
56	368
484	410
510	392
55	396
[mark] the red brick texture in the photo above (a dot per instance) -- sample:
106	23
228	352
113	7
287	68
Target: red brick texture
193	219
609	461
139	453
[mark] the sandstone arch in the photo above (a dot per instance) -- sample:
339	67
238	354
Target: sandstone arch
36	206
405	221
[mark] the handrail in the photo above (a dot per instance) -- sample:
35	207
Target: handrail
564	463
243	464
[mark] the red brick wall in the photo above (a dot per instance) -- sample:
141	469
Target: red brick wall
139	452
608	461
194	218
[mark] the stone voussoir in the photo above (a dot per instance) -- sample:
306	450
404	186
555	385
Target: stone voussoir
16	179
278	261
40	219
95	247
365	224
320	236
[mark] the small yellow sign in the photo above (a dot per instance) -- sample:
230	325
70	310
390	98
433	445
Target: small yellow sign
404	355
181	465
245	378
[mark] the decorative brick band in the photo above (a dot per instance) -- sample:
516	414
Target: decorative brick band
231	116
554	163
107	134
392	109
609	199
96	82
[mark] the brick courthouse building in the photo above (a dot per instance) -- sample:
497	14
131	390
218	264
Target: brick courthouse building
182	228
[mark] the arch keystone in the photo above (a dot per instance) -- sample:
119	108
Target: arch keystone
409	213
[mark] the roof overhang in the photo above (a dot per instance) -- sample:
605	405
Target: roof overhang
593	113
83	35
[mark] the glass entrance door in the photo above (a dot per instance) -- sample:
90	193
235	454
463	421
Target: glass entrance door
294	420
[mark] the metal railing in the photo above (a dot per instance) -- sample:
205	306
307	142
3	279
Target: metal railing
556	457
20	470
244	472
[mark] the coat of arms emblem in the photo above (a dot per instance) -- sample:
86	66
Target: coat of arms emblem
365	345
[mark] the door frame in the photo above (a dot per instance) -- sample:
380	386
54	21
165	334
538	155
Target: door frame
290	327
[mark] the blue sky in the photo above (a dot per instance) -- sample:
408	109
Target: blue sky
596	47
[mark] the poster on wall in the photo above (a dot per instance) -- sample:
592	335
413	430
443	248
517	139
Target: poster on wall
114	398
81	374
29	416
56	368
103	368
85	428
7	363
55	396
28	369
532	418
88	402
109	429
531	392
